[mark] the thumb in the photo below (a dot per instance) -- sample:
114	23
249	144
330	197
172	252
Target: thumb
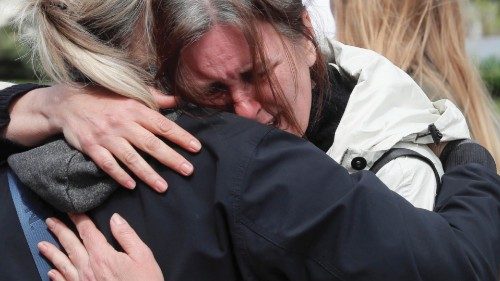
164	100
128	238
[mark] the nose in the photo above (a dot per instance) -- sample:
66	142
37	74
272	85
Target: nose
247	107
244	101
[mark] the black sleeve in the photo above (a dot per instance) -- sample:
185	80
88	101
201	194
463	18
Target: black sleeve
460	152
301	216
7	96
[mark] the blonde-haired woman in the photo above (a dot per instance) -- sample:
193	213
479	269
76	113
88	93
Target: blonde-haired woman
93	120
426	38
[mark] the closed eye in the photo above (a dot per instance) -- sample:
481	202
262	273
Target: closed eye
248	75
218	88
218	97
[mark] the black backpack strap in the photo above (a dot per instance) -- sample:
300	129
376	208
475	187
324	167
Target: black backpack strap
403	152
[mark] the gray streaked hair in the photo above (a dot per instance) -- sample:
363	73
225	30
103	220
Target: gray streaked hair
96	39
180	23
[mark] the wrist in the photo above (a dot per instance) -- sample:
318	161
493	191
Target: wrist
48	108
29	122
462	152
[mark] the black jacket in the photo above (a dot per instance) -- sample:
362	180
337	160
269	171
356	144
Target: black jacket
265	205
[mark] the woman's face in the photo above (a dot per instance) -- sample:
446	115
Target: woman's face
220	64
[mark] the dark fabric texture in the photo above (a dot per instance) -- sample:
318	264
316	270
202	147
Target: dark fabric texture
8	147
459	152
64	177
16	262
321	130
265	205
7	96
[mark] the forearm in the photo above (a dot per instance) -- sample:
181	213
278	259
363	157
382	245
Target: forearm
29	124
11	139
327	222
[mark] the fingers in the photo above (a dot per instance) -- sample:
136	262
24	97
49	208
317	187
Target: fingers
162	126
105	261
55	275
76	253
105	160
108	128
128	238
127	154
148	142
159	125
163	100
65	268
93	240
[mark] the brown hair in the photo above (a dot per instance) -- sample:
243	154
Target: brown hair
185	22
426	38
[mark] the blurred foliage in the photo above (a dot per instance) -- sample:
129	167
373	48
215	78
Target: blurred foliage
14	64
489	11
490	72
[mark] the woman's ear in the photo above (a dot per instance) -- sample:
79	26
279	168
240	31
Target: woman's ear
309	47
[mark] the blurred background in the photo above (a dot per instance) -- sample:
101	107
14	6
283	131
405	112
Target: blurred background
483	43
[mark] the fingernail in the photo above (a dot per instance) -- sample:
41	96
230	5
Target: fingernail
187	169
195	145
130	184
161	185
50	223
51	274
117	219
42	246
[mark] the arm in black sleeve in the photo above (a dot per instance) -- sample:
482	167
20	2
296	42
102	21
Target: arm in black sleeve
460	152
7	97
301	216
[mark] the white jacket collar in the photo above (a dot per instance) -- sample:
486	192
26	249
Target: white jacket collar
386	107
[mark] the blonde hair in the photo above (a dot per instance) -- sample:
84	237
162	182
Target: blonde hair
426	38
92	39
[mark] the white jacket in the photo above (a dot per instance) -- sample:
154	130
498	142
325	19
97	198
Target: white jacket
388	109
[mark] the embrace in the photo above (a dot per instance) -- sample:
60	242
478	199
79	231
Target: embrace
283	161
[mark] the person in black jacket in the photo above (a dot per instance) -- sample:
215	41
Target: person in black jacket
257	212
270	206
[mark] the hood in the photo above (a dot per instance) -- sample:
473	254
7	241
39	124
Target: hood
386	107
